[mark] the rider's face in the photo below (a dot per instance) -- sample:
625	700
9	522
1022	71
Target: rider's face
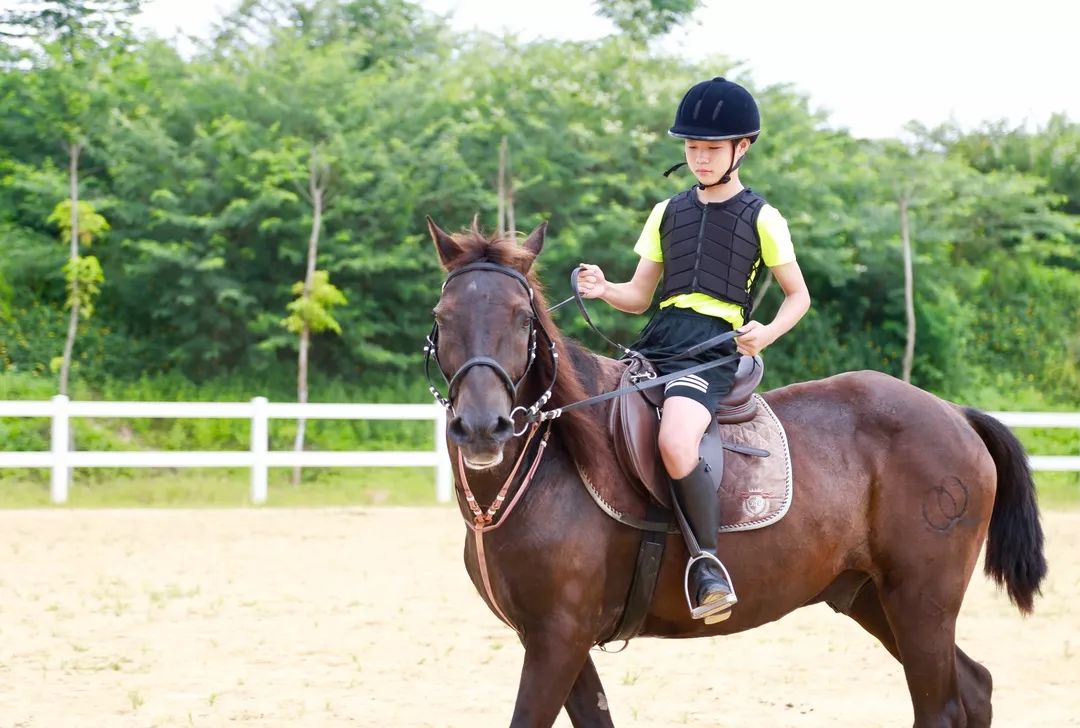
709	160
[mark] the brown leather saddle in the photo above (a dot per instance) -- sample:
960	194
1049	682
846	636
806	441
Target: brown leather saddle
635	422
754	488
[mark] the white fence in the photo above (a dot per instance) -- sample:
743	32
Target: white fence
259	457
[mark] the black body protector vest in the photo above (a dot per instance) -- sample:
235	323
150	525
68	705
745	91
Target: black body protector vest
711	248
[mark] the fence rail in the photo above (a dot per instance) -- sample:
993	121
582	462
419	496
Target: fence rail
60	459
259	458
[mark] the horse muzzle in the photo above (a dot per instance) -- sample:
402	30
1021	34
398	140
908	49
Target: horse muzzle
480	437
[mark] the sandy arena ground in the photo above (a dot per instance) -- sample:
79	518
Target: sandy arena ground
314	618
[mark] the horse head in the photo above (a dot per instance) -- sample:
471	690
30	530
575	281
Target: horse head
485	336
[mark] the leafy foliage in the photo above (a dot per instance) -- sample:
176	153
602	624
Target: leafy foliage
84	278
313	309
644	19
200	165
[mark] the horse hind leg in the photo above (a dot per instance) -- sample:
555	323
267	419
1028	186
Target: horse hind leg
587	703
974	681
976	685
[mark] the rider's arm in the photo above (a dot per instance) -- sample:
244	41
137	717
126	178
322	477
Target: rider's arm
796	298
636	294
778	254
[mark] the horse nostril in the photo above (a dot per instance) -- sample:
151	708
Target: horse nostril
504	429
457	431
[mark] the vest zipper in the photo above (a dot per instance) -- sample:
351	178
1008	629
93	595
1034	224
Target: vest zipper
697	255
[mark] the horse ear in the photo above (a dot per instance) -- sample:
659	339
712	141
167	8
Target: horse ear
444	244
535	242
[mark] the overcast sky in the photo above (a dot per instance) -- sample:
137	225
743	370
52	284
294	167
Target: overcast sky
873	66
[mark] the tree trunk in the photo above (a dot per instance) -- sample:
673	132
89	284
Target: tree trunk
73	319
511	224
316	189
506	222
301	396
500	223
909	287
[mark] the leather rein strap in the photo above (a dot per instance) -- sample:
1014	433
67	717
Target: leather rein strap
535	415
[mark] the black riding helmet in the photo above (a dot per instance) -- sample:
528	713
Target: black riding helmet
717	110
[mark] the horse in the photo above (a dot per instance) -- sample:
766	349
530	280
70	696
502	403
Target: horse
896	491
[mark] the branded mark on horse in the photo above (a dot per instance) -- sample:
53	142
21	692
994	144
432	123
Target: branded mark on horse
896	490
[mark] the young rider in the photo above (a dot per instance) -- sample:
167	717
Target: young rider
708	243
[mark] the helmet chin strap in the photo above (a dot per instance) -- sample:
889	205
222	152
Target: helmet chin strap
734	166
726	176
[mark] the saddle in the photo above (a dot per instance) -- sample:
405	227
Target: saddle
754	486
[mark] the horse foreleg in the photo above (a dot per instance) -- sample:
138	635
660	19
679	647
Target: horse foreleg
587	705
554	659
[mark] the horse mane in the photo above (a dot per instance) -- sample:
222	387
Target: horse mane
583	432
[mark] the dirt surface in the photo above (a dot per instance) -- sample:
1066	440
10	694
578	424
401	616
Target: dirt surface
366	617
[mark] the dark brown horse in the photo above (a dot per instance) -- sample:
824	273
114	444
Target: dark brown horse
891	483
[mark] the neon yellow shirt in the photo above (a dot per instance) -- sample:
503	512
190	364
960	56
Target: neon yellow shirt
776	249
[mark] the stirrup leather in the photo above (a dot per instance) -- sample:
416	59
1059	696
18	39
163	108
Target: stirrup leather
716	611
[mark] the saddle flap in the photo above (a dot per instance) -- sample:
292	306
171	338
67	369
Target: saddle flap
635	427
753	491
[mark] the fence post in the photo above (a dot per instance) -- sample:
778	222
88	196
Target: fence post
443	473
61	430
260	445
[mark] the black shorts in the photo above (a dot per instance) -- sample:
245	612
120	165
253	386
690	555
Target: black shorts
673	330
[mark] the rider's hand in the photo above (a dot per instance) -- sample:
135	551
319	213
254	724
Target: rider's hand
753	337
591	281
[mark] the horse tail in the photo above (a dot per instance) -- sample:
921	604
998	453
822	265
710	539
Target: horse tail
1014	545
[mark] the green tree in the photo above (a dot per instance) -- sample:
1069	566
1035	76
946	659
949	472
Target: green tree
74	41
82	274
644	19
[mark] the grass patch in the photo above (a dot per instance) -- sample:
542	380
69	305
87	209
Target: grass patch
231	488
223	487
1058	491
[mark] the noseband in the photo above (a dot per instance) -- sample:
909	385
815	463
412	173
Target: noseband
453	383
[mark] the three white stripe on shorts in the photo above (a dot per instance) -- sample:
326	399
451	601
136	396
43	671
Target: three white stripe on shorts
690	380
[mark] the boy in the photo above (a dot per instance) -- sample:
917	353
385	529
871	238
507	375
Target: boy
708	243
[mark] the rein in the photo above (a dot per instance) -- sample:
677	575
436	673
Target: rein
652	380
534	414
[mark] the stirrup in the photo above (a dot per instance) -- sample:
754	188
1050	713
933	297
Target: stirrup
712	612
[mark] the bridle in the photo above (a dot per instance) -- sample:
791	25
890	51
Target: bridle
431	351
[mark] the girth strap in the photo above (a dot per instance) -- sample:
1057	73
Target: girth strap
643	584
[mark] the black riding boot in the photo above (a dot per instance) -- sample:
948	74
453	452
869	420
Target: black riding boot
708	584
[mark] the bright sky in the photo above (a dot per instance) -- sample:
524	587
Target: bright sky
873	66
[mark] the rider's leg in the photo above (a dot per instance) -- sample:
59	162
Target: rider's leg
684	421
